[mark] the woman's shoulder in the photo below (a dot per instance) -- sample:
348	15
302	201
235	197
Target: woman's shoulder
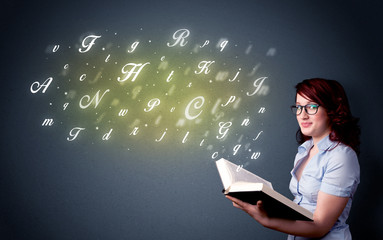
343	150
342	156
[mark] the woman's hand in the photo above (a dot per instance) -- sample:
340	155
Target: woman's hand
255	211
328	210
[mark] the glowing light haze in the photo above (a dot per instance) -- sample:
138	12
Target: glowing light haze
169	90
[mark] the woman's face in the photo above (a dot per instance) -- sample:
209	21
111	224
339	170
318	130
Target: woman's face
316	126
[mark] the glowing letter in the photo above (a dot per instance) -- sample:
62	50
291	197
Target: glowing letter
134	132
56	48
231	99
257	85
246	122
255	155
45	85
262	110
258	135
170	77
123	112
129	73
180	36
206	43
185	138
152	103
223	45
74	133
82	78
236	75
199	101
107	58
65	106
95	99
133	47
107	135
223	129
47	122
88	44
159	140
214	155
204	65
236	148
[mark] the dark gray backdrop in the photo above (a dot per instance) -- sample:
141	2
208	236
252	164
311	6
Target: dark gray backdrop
51	189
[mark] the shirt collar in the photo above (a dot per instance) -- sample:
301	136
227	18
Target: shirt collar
305	146
323	145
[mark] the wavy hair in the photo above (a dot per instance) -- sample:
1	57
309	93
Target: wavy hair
330	95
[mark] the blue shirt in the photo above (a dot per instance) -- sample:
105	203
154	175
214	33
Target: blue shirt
333	170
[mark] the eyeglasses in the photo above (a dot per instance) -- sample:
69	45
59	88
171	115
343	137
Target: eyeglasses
310	109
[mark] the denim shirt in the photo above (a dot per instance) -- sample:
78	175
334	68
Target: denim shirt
333	170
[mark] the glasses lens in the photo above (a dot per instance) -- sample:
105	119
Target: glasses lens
296	109
311	109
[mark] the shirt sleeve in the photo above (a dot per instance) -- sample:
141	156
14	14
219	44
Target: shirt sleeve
341	176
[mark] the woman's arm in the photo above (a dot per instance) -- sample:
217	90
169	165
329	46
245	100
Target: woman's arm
328	210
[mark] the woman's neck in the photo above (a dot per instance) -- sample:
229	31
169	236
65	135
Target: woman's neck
316	140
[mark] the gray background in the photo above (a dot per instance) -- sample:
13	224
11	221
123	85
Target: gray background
51	189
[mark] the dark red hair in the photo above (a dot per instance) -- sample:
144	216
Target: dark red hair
330	95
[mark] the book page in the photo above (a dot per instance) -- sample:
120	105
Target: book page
234	173
244	187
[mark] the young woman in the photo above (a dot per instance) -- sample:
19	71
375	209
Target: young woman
326	169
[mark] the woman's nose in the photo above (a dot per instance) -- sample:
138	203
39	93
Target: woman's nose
303	114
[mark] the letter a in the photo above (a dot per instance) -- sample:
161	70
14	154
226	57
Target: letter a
45	85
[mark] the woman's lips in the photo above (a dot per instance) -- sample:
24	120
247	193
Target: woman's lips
305	124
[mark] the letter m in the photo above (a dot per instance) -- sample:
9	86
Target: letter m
47	122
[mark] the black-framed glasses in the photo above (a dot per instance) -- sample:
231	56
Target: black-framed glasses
310	109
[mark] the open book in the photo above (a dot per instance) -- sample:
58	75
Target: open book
248	187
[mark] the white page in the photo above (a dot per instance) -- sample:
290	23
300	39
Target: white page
234	173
